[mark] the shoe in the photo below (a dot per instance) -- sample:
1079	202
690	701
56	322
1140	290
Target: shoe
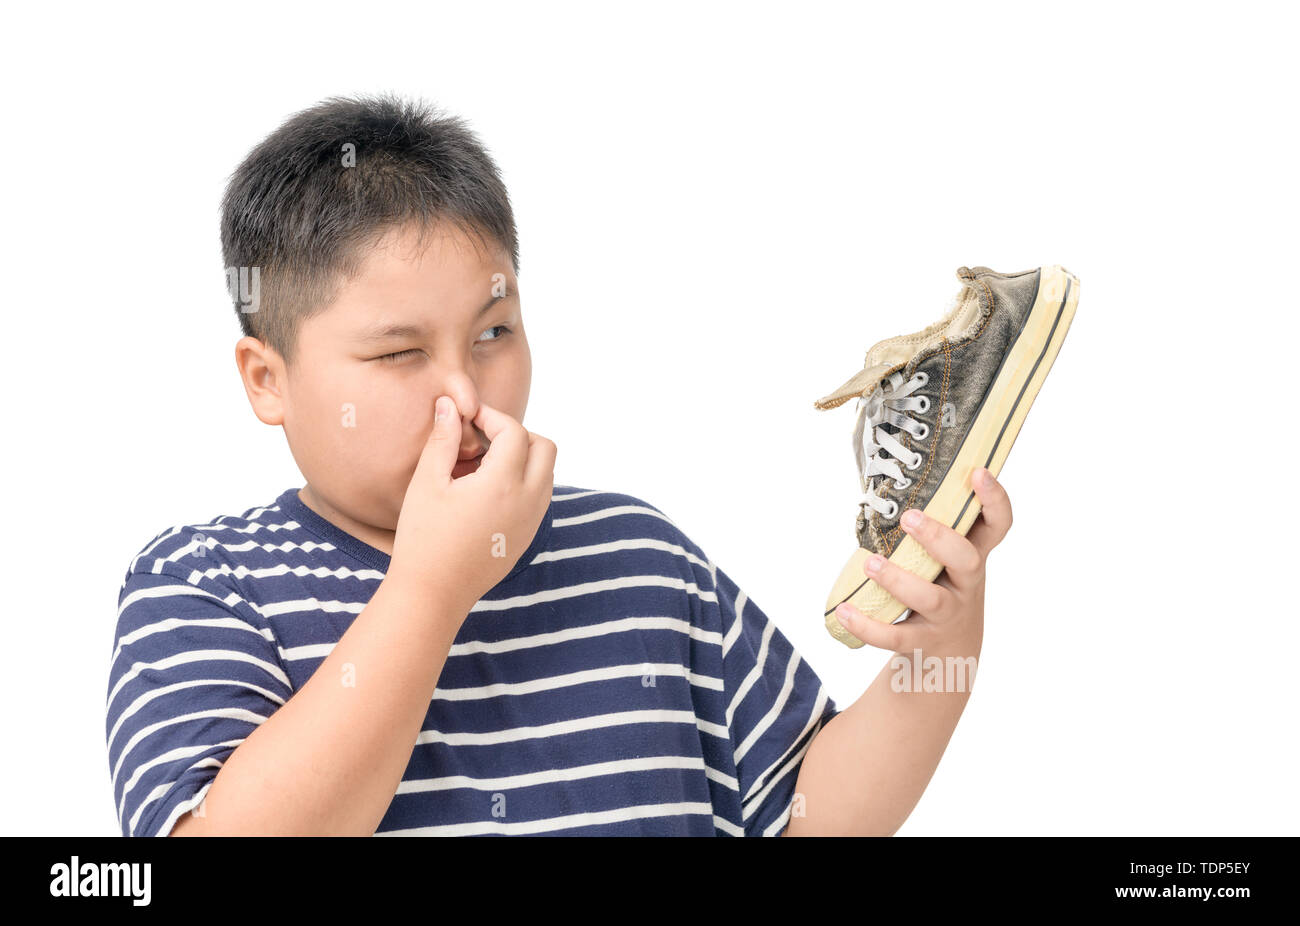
934	405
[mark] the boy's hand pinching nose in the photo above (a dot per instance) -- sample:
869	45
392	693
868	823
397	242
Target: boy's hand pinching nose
458	537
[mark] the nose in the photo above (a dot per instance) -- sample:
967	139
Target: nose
462	390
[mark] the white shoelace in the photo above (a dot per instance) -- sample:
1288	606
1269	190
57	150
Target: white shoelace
879	408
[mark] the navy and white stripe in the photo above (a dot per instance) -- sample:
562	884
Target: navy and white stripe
616	682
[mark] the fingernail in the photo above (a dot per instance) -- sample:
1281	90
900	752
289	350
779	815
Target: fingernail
980	477
912	518
874	562
844	612
440	409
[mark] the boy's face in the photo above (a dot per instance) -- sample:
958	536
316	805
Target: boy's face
356	416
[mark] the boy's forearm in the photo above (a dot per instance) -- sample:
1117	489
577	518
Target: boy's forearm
867	768
329	761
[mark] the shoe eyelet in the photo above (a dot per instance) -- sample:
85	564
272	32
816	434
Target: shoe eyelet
916	461
925	404
922	378
893	509
925	432
902	485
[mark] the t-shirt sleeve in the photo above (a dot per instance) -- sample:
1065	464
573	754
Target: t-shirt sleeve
775	705
192	673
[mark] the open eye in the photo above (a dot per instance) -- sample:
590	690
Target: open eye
504	331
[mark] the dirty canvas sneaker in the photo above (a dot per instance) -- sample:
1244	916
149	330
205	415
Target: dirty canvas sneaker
935	404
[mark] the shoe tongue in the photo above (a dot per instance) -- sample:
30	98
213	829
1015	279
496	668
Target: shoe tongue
861	383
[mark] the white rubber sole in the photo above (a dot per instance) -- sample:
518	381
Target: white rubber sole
987	444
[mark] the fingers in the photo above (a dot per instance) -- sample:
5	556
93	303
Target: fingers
995	518
443	444
507	441
927	598
541	459
901	637
962	559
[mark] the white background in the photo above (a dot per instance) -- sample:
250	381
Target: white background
721	207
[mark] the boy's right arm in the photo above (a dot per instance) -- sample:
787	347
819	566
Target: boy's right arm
329	761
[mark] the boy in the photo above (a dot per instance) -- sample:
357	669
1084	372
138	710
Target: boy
430	637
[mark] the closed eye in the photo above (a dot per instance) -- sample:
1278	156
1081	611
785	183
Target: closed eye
400	355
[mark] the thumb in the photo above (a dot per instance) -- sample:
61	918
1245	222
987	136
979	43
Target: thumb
443	446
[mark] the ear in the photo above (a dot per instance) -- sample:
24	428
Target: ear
262	371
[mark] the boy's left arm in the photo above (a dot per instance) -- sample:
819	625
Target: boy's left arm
866	769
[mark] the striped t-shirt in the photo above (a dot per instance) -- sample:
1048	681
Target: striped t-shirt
615	682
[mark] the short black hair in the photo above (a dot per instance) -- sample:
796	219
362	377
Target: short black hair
302	209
